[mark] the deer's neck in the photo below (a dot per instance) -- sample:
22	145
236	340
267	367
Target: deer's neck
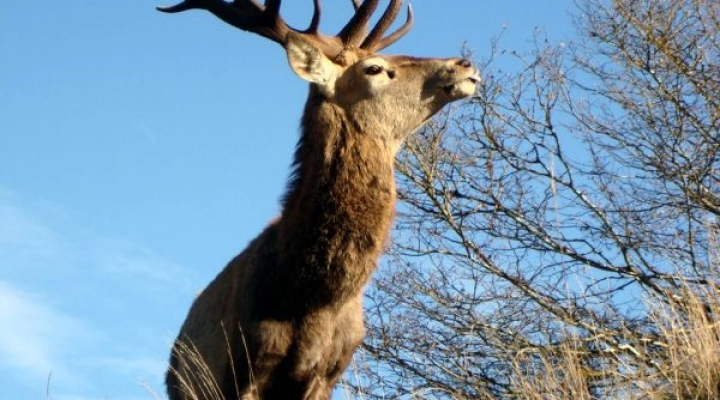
338	208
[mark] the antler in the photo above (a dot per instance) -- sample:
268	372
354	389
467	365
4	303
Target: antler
265	20
375	41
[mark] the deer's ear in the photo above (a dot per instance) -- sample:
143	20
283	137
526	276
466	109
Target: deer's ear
311	64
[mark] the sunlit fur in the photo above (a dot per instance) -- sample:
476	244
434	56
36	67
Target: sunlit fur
282	320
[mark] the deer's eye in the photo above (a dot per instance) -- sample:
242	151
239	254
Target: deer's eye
373	70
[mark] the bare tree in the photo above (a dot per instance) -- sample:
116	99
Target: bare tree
555	211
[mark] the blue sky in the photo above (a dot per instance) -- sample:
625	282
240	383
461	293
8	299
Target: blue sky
139	152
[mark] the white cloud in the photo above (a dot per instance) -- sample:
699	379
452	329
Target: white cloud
35	335
83	306
39	236
136	368
23	236
127	260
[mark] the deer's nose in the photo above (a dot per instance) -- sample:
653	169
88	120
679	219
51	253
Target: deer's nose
464	63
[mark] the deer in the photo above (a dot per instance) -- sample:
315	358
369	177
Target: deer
284	317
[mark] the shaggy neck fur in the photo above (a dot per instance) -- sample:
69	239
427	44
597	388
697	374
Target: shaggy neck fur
338	207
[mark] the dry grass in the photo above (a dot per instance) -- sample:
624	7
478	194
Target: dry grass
547	380
681	362
195	378
196	381
691	336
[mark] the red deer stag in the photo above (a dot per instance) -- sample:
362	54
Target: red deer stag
282	320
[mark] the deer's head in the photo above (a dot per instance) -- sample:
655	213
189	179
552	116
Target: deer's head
379	94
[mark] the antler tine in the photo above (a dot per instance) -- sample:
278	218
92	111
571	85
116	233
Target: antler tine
395	36
272	6
247	15
315	22
383	24
353	32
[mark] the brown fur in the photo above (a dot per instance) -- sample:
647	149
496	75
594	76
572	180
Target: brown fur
282	320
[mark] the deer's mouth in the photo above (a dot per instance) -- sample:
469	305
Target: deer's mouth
463	87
